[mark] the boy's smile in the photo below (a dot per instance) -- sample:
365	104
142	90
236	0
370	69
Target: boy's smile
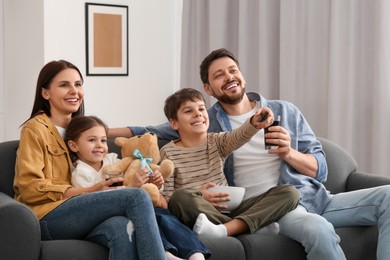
192	120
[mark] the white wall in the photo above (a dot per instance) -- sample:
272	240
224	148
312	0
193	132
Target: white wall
37	32
23	56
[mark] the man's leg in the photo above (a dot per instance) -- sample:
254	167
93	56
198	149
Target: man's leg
315	233
362	208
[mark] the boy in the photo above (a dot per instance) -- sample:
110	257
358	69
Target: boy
199	156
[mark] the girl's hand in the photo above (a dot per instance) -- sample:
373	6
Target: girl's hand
141	177
113	183
156	178
101	185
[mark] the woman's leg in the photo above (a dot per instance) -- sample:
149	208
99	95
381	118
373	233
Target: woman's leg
112	233
79	216
183	238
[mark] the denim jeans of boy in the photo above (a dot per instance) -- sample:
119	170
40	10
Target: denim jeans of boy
177	238
122	220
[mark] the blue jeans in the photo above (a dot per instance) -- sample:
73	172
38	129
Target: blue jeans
356	208
122	220
177	238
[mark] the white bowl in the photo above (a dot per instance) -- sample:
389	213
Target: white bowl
236	195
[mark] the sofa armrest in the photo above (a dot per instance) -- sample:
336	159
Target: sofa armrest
360	180
20	232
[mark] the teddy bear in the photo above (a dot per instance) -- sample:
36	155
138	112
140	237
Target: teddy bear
139	152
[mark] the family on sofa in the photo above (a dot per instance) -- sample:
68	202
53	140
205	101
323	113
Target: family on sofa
43	170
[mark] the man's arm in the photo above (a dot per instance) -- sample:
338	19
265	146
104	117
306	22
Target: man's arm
163	131
119	132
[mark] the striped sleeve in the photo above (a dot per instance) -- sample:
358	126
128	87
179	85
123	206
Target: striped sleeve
228	142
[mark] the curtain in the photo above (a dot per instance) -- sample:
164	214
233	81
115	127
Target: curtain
329	58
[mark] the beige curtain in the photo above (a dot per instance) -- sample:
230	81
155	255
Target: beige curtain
330	58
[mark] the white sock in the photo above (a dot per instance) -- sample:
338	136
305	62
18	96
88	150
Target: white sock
272	228
203	227
172	257
197	256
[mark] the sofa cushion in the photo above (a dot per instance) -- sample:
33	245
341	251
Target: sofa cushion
80	249
228	248
358	243
271	246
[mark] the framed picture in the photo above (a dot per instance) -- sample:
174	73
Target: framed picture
106	39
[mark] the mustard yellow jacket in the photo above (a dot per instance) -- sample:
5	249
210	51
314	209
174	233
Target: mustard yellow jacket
43	166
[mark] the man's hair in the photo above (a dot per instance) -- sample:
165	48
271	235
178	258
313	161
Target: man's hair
174	101
214	55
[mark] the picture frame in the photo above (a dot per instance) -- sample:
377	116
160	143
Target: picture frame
106	28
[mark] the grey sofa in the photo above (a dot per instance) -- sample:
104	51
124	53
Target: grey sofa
20	233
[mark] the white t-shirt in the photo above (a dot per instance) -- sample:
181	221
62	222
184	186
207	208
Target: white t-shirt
254	169
84	175
61	131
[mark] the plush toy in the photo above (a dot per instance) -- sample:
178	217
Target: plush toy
141	152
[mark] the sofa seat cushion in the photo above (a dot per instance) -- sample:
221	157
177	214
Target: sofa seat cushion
228	248
72	249
271	246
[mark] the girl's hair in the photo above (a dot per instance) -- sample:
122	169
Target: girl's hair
46	75
77	126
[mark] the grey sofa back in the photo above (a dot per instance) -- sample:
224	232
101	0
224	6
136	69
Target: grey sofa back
7	166
340	165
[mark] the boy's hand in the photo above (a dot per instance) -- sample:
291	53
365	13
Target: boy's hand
156	178
262	118
214	197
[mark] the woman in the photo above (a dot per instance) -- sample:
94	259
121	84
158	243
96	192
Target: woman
122	219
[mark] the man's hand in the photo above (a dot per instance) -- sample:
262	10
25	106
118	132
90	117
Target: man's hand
214	198
305	164
280	137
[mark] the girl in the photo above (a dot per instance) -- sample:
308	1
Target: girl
121	220
86	137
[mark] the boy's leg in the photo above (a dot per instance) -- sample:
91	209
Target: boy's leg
267	207
187	204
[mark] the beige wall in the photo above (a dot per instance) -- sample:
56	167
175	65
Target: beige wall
39	31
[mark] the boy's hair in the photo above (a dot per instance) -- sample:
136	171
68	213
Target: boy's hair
77	126
174	101
214	55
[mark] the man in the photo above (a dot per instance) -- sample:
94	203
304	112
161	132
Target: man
298	160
